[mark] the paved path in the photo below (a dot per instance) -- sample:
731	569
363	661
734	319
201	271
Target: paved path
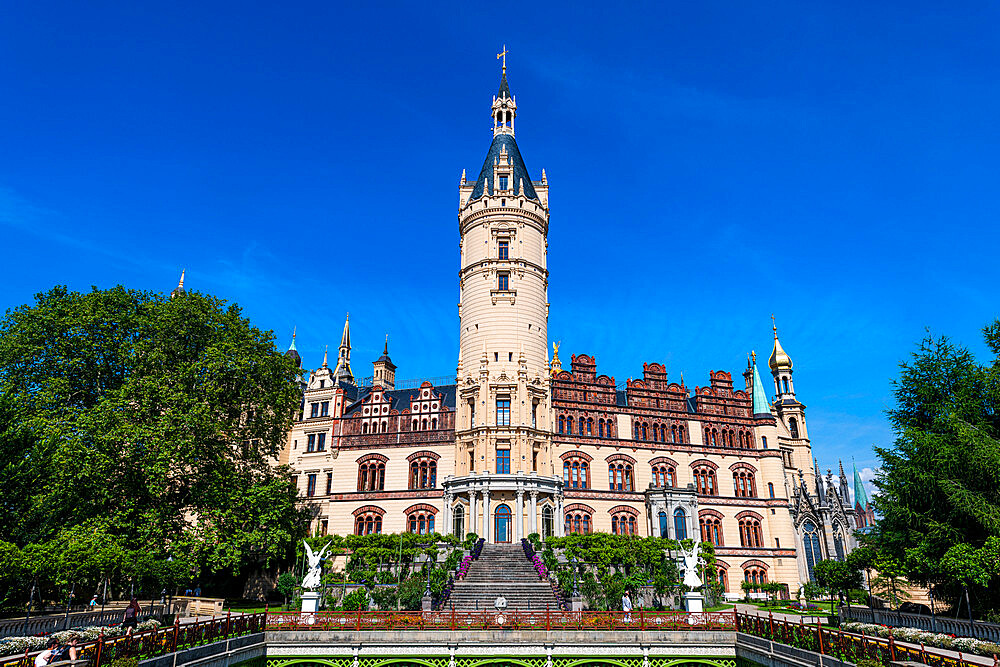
794	618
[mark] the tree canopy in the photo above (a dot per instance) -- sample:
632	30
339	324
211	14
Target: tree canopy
939	484
150	423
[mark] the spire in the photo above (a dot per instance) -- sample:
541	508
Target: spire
326	354
383	370
779	358
293	352
504	89
179	290
386	350
504	106
761	406
343	370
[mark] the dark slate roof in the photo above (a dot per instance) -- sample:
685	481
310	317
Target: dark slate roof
504	88
400	398
621	397
692	404
520	171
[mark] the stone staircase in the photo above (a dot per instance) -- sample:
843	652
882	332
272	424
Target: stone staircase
502	569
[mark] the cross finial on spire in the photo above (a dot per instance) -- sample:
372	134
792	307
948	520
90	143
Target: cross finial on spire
753	355
503	54
386	350
774	326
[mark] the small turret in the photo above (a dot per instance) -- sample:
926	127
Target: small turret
342	373
384	371
293	352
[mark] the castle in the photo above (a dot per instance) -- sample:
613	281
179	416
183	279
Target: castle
516	444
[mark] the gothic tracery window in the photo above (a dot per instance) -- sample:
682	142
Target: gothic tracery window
705	481
576	473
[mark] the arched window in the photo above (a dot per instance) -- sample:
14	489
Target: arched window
458	522
590	426
582	425
421	523
705	481
838	541
620	476
423	473
569	425
673	433
664	476
367	523
577	522
623	523
810	544
562	424
600	428
434	423
784	381
548	525
680	524
711	529
722	579
611	432
662	516
681	434
575	471
364	429
770	489
371	475
744	484
763	441
384	427
644	432
793	427
638	431
755	575
423	425
751	535
656	433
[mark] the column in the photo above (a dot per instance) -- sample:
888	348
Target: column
473	515
560	518
533	522
487	524
447	528
519	517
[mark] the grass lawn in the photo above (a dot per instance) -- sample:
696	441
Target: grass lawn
248	606
822	607
720	607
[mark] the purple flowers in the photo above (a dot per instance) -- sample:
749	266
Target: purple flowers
539	567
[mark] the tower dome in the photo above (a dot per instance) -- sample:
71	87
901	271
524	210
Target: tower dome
293	352
779	358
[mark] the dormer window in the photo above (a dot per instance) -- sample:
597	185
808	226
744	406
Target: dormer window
503	183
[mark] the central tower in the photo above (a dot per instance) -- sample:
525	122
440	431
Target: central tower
504	421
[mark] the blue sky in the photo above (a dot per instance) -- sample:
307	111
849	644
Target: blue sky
709	163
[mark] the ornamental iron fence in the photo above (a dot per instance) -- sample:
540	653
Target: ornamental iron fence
160	641
515	619
930	623
850	647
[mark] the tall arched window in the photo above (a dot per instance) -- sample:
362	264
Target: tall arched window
575	473
711	530
590	426
755	575
810	544
680	524
793	427
458	522
562	424
644	432
421	523
662	516
620	476
423	473
751	535
705	481
367	523
673	433
577	522
611	432
744	484
770	489
838	541
784	381
548	525
664	476
371	475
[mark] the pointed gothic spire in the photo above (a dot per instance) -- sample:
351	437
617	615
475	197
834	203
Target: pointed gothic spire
343	370
293	352
761	406
326	354
179	290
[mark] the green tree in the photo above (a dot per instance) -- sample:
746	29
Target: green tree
286	585
939	484
837	576
150	419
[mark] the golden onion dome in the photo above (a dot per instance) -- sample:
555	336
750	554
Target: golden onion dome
779	358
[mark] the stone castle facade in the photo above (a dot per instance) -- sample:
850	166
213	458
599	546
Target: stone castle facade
516	444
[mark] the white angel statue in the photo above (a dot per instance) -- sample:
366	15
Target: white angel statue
691	562
311	580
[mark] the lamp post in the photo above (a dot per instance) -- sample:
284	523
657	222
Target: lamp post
576	591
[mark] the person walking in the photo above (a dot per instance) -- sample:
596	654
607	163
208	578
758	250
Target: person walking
131	619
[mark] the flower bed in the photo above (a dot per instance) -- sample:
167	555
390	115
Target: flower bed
918	636
18	645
